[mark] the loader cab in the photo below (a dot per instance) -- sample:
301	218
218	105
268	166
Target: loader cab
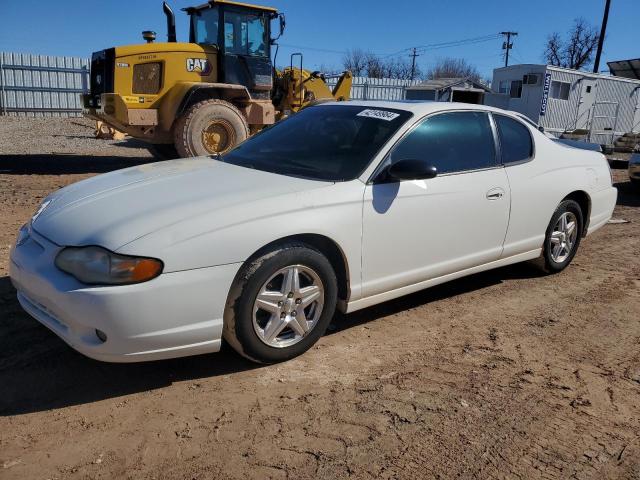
242	34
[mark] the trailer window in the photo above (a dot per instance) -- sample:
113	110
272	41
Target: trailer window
560	90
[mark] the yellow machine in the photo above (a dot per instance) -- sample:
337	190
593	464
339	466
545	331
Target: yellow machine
205	96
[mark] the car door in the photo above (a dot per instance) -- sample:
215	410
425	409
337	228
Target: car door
531	202
422	229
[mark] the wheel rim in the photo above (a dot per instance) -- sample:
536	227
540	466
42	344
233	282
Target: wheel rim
218	136
288	306
563	237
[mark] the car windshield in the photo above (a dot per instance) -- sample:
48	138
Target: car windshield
328	143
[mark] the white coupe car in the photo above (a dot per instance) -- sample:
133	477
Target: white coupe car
343	205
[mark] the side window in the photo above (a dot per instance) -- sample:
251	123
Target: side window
515	140
452	142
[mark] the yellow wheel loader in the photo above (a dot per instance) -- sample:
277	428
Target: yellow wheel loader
207	95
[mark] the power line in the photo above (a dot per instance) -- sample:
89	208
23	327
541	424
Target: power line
418	50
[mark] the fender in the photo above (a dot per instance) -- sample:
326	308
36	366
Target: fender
176	101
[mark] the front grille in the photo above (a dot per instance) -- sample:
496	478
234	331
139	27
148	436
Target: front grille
147	77
102	72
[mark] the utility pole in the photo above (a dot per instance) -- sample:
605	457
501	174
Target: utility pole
413	63
506	46
603	30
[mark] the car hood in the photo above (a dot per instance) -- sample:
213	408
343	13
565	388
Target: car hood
116	208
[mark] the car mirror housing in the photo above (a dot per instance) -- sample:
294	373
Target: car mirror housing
409	169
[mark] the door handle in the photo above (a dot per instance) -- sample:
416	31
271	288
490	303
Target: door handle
495	194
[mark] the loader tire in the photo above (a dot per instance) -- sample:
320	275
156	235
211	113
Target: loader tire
209	127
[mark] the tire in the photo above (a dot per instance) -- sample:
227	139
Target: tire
163	151
209	127
635	183
247	326
555	256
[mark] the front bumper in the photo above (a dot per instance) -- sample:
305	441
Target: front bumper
131	114
177	314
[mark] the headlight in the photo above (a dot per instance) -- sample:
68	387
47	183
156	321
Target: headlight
98	266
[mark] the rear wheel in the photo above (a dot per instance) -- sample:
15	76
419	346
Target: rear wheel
281	304
209	127
563	236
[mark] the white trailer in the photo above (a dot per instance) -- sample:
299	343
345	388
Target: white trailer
598	108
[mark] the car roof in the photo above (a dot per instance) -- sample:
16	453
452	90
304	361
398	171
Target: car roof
419	107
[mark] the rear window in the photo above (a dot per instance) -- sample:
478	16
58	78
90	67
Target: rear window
515	140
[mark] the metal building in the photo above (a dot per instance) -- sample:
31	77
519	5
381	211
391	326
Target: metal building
598	108
449	90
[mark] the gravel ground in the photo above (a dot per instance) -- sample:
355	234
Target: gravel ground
504	374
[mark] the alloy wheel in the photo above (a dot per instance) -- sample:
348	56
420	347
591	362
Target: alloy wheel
563	237
288	306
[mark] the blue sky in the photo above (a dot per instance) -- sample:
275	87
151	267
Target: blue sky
322	30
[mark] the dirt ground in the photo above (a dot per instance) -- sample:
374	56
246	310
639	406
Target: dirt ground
505	374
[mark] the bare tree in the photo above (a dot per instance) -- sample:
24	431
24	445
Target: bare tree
553	51
453	68
401	68
356	61
577	50
366	64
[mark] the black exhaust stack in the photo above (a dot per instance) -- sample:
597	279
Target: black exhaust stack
171	22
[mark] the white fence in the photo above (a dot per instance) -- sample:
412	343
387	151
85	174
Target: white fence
40	85
365	88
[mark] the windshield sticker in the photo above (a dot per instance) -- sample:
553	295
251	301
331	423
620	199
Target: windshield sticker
379	114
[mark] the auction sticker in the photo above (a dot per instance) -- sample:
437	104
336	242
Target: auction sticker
379	114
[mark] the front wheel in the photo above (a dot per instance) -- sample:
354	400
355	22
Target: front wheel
209	127
281	304
563	236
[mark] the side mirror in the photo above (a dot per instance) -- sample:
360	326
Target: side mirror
283	24
409	169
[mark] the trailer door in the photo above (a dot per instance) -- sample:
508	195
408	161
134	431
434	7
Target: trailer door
585	104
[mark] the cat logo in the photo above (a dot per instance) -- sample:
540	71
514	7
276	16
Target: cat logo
199	65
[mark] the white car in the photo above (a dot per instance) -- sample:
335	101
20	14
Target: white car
342	205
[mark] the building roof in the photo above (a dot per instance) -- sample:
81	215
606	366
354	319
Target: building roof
445	83
584	73
625	68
